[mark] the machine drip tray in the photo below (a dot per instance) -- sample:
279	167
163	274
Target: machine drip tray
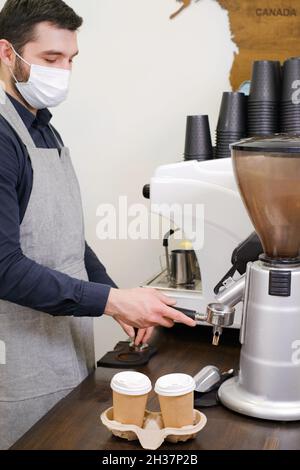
161	282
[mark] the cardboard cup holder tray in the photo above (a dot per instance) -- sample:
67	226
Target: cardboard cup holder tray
152	435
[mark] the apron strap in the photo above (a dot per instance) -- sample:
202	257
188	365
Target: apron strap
10	114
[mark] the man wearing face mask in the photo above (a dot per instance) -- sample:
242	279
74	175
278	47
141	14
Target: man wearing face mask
51	283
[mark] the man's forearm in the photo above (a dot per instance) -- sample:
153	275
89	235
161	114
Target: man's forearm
26	283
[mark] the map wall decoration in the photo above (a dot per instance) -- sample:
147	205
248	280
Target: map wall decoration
261	30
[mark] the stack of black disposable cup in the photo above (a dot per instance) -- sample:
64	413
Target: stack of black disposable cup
232	124
264	99
198	145
290	100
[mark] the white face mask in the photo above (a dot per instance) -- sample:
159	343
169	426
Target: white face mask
47	87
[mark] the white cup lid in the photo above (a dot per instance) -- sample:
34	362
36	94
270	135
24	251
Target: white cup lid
173	385
131	383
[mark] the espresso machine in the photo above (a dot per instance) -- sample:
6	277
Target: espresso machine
267	171
225	226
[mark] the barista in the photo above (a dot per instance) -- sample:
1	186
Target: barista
52	284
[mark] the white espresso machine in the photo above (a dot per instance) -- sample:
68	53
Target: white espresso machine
224	223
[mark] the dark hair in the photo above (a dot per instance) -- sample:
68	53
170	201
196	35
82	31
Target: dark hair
18	19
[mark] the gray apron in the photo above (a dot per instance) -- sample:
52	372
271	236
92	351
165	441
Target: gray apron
46	356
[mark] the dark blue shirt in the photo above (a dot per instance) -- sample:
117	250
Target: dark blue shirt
22	281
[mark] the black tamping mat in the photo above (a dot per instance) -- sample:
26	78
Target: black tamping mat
125	355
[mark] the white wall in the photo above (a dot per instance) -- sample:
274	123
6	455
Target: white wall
137	77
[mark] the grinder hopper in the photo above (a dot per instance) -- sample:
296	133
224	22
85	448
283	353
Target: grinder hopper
268	174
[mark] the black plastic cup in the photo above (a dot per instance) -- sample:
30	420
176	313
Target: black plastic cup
270	130
262	107
224	138
271	115
198	145
291	132
229	135
267	117
224	154
261	133
221	143
290	124
266	112
262	104
233	113
224	141
291	73
294	120
273	129
289	104
225	148
290	114
266	81
263	122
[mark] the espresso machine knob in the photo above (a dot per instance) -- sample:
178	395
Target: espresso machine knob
146	191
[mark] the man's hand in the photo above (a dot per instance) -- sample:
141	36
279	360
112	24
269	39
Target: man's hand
143	335
144	308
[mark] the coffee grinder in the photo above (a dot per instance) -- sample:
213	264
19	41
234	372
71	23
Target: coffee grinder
267	171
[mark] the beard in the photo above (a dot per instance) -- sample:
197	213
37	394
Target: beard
21	73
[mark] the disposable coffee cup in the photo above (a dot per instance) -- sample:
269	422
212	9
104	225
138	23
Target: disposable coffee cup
130	394
176	398
265	82
291	73
233	113
198	143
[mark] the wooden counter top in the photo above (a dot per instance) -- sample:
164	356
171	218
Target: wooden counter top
74	424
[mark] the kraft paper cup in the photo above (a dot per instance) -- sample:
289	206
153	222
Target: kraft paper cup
130	394
176	399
